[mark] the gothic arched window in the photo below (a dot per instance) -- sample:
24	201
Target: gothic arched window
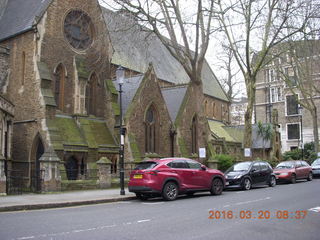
59	86
151	123
214	109
194	135
72	168
206	112
91	95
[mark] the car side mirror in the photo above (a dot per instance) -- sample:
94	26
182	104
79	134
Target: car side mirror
203	168
254	170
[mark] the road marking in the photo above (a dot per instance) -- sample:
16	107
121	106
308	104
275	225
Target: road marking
108	226
79	230
226	205
144	220
315	209
252	201
155	203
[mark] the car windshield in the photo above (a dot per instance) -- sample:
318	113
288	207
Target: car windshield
244	166
145	165
285	165
316	162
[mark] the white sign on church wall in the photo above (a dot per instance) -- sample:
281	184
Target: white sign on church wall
247	152
202	152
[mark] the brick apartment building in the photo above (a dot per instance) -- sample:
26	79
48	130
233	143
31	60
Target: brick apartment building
298	63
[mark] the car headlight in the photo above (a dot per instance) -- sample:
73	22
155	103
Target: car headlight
284	174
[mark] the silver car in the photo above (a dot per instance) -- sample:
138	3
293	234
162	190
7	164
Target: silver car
316	167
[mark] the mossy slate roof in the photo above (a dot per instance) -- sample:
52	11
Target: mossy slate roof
89	133
236	134
136	49
218	128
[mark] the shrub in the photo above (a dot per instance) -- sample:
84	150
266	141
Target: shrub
224	161
295	154
308	153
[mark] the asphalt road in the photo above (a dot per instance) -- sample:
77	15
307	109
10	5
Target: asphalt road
287	212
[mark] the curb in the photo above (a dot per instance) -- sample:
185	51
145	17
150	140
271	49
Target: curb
62	204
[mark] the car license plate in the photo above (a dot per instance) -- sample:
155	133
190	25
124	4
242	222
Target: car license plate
227	183
137	176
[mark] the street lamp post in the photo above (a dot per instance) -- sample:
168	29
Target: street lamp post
120	78
301	131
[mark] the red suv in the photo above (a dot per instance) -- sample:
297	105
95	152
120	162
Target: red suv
169	177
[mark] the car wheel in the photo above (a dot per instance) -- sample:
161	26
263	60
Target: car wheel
246	184
216	187
170	191
272	182
293	179
310	176
142	196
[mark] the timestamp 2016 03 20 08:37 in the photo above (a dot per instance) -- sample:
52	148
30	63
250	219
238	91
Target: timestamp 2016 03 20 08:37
261	214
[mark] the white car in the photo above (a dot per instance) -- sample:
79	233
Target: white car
316	167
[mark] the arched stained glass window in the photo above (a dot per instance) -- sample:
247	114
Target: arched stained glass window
150	131
59	86
91	95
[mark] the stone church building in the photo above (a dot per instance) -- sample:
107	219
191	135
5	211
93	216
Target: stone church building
62	57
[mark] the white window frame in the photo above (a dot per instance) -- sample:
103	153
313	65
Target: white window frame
291	73
271	75
285	105
293	123
275	96
279	97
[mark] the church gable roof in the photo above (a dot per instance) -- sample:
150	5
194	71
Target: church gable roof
173	97
130	87
20	16
135	49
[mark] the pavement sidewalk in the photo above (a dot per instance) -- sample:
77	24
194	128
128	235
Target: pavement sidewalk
61	199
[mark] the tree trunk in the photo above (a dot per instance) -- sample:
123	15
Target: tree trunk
315	129
247	139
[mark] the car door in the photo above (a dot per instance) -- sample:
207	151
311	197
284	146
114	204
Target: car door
299	170
183	173
265	172
255	173
200	177
306	168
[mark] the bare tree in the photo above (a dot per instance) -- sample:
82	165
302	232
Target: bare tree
229	82
182	26
253	28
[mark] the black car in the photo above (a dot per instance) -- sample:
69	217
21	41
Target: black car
247	174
